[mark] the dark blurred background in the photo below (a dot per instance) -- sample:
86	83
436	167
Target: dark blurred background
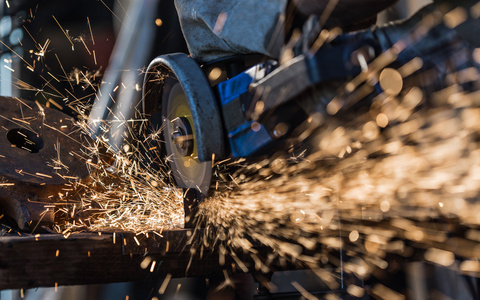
39	62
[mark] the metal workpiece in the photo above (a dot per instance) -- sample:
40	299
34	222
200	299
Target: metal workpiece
39	158
49	260
89	258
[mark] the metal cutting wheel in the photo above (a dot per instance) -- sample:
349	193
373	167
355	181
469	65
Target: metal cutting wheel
180	101
180	140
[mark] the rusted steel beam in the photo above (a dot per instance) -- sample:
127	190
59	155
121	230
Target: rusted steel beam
51	259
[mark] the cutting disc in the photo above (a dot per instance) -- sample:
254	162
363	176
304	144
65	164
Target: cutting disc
180	142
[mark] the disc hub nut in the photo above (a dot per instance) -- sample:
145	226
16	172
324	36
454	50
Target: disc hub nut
182	136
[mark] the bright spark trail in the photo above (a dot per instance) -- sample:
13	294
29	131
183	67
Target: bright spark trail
399	175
